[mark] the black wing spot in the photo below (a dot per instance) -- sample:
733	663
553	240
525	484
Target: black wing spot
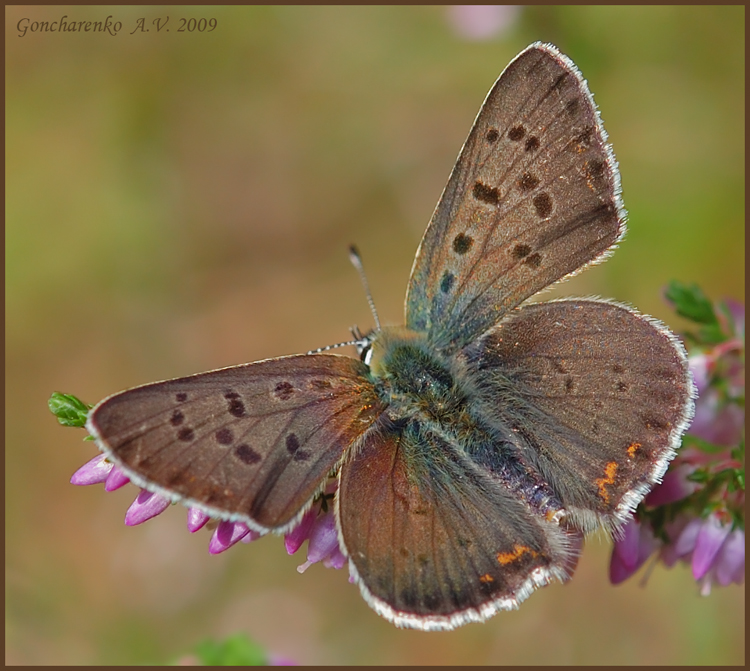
519	251
569	384
292	443
247	454
559	81
301	455
622	386
573	107
516	133
596	169
583	140
236	407
177	418
532	144
186	434
231	394
617	368
534	260
447	282
543	204
181	397
528	182
283	391
486	194
655	423
224	436
492	136
462	243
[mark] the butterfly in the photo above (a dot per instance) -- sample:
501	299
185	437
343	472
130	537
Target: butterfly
475	444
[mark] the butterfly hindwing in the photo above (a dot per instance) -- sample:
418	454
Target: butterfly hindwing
596	395
534	196
251	443
434	541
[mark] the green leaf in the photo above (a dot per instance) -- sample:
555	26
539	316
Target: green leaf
690	302
699	476
69	410
237	650
689	440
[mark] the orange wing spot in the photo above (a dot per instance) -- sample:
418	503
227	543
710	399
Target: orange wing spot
608	479
633	449
518	552
486	578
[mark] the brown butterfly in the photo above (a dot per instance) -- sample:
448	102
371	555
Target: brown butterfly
476	443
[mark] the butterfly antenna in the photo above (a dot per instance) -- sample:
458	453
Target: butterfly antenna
356	260
340	344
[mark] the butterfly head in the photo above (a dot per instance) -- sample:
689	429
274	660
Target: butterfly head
363	342
376	347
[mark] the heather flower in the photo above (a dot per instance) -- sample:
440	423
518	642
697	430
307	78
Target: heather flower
197	519
631	551
708	542
696	515
296	537
482	22
729	566
675	486
145	506
115	480
715	551
716	420
229	533
92	472
323	541
317	526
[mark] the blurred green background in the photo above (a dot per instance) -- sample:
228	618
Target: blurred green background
177	202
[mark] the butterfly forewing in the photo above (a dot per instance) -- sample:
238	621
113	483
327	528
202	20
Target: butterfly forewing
434	541
595	397
534	196
252	443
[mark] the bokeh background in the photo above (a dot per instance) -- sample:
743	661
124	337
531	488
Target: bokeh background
177	202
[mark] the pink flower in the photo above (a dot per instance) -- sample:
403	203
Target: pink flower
323	543
482	22
316	526
635	546
715	551
146	506
674	487
229	533
92	472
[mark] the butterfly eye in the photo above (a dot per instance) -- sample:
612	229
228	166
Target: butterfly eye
364	348
366	355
